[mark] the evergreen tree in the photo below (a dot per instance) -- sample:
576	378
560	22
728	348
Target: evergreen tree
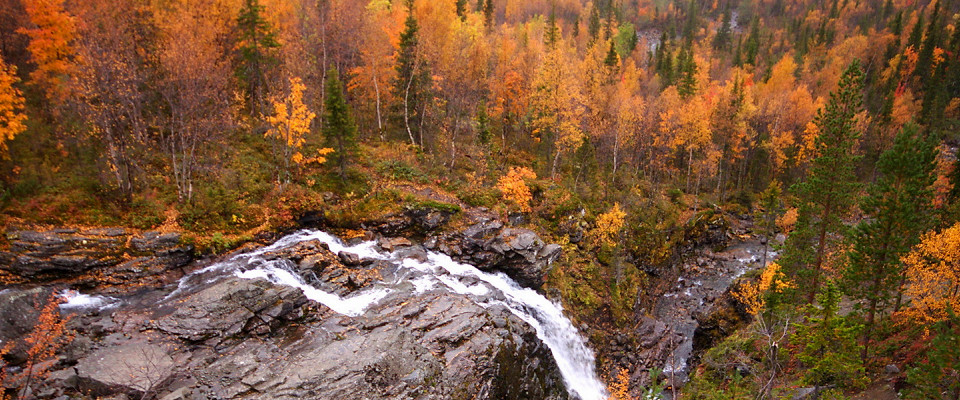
593	25
462	9
827	343
412	83
722	38
484	129
916	35
257	53
338	127
686	72
488	13
900	203
751	46
827	195
931	39
611	60
939	376
552	34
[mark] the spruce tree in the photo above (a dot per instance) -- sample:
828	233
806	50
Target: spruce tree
412	83
900	206
931	39
593	24
722	38
338	127
611	60
939	376
827	343
257	53
916	35
552	34
828	193
686	72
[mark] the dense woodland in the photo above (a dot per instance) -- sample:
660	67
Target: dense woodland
833	123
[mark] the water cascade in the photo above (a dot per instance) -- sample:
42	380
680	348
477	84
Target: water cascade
438	272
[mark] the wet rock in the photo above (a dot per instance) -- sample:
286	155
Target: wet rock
230	307
520	253
348	258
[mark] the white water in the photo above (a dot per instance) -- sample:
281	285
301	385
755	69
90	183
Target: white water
574	359
74	299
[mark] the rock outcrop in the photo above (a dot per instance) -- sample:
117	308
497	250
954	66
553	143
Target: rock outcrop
225	337
94	256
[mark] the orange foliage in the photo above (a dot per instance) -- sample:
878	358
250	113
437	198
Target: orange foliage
933	273
11	108
514	187
620	388
50	46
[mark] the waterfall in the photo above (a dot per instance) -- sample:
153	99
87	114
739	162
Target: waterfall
438	272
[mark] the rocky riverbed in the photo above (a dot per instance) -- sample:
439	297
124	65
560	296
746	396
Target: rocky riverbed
306	317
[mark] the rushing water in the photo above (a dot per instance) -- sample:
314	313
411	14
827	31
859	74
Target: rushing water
438	272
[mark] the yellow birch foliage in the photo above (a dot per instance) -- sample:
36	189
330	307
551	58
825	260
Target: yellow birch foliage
11	108
609	225
933	273
50	46
620	388
514	187
751	294
291	122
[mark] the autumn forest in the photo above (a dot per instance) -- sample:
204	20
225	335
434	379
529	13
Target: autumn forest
823	132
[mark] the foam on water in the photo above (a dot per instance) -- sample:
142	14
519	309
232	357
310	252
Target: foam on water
574	359
74	299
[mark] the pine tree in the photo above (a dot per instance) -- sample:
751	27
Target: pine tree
931	39
552	34
593	25
722	38
828	193
900	203
916	35
462	9
686	72
257	53
751	46
411	85
488	13
611	60
338	127
939	376
827	343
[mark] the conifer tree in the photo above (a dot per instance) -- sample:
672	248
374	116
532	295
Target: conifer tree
931	39
611	60
338	127
916	35
593	25
257	53
828	193
686	72
722	38
939	376
899	203
411	85
827	343
552	33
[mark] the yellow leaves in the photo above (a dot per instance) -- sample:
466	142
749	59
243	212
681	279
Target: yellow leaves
11	108
620	388
514	187
933	272
750	294
291	120
788	220
608	226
